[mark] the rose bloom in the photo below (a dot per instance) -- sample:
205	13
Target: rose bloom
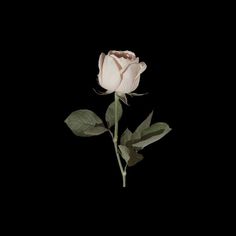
120	71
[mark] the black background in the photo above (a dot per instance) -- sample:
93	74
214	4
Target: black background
60	56
53	53
69	72
49	170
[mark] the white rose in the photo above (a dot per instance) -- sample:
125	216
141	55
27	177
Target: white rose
120	71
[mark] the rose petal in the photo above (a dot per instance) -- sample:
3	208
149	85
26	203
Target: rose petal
136	83
128	78
110	77
122	53
101	59
123	58
100	63
122	62
143	67
132	54
111	52
117	61
129	63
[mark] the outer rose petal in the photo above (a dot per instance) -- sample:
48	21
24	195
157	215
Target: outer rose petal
127	83
122	62
100	63
136	83
143	67
110	77
130	62
101	59
137	79
117	62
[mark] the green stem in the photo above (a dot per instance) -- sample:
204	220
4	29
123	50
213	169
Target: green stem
116	118
115	138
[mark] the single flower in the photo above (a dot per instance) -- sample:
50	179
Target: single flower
120	71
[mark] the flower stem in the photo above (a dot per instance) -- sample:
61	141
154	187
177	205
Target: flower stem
115	138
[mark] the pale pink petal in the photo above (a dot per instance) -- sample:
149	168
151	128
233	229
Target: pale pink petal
137	79
99	78
125	66
122	62
112	52
143	67
117	61
126	54
128	78
101	59
123	58
110	77
136	83
100	63
130	53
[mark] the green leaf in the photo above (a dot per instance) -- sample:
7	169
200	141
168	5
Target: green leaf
155	127
82	121
145	124
135	157
125	137
124	153
130	155
110	114
152	134
95	131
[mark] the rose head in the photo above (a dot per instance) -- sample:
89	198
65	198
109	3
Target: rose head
120	71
